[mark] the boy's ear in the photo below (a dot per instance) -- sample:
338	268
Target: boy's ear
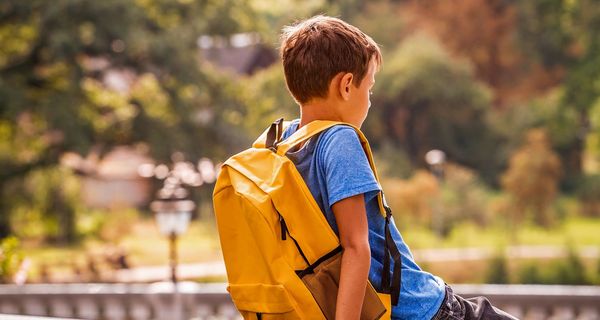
346	85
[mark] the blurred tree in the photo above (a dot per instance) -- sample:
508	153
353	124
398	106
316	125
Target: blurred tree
498	269
411	199
10	258
265	94
76	74
267	99
564	35
532	178
464	197
572	270
530	274
425	100
486	33
588	192
592	160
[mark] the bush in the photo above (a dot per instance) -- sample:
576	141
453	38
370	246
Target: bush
116	224
464	197
498	270
423	200
572	270
47	206
10	258
530	274
568	271
411	199
532	178
588	192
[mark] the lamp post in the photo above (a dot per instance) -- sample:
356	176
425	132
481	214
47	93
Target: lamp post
172	208
436	159
172	217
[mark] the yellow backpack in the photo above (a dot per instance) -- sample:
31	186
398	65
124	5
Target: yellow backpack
270	227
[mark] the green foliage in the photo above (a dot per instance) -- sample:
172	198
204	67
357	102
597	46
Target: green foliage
568	271
424	99
588	192
563	35
412	199
275	14
386	13
267	99
151	44
76	75
117	224
10	258
47	206
464	198
592	159
498	270
392	161
530	274
572	270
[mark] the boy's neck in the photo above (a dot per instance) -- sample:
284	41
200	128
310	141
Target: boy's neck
318	110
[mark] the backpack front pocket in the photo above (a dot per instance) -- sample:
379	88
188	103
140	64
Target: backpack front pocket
261	301
322	280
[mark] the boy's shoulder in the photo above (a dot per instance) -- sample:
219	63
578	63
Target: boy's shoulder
340	137
337	137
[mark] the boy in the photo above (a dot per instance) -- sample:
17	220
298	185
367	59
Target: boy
330	69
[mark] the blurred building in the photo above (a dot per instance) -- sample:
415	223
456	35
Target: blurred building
241	53
113	180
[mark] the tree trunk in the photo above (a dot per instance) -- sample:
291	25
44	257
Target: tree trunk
5	229
572	161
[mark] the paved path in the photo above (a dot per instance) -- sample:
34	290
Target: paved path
217	268
536	252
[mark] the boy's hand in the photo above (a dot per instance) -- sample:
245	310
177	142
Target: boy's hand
351	218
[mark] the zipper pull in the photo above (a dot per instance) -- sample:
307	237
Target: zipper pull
284	229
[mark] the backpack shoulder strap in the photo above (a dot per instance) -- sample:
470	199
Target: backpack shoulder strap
315	127
304	133
276	129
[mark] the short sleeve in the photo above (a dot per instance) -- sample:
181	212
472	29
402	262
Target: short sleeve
345	165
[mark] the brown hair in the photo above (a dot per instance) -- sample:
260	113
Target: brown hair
315	50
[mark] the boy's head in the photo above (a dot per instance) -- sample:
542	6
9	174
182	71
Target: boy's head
316	50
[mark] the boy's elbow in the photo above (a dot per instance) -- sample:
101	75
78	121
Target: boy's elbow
358	248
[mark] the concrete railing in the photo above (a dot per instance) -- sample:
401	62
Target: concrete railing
211	301
534	302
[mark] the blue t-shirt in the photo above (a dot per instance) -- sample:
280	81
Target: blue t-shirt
334	167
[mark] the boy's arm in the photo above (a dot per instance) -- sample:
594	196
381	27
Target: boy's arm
351	218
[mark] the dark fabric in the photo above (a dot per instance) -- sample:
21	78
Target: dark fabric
391	249
274	134
456	307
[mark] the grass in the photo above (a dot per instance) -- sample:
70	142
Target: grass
145	246
576	231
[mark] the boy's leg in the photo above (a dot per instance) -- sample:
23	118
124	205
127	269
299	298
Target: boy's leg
456	307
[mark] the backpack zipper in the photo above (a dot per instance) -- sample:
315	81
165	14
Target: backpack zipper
283	226
286	232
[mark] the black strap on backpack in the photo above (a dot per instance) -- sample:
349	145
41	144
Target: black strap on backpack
274	134
393	287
